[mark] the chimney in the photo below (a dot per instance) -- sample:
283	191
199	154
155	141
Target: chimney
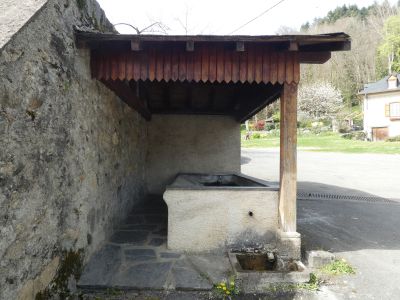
392	82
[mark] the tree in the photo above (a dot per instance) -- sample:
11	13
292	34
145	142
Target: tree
390	46
319	101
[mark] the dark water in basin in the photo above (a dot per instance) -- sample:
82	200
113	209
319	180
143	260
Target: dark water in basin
218	183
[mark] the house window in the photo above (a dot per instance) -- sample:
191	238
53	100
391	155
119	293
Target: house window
395	110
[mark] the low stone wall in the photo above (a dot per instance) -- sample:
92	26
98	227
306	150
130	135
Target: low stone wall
190	144
72	155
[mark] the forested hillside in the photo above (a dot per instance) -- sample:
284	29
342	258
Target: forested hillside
375	33
375	53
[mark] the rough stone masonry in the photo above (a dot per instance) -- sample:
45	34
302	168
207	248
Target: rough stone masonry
71	154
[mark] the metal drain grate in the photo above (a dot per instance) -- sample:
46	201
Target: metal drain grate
358	198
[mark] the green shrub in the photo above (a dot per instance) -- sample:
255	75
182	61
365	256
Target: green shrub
338	267
256	136
304	124
355	135
394	139
269	126
276	117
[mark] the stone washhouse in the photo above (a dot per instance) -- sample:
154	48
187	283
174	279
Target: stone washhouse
121	153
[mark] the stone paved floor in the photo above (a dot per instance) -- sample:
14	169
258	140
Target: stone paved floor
136	257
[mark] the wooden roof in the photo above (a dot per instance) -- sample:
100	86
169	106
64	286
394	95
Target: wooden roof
267	59
209	63
236	75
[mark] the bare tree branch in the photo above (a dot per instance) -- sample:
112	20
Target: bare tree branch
155	27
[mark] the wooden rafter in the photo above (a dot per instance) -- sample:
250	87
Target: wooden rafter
126	94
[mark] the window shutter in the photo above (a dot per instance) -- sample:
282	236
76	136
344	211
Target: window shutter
387	110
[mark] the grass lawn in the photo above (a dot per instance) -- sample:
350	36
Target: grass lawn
329	142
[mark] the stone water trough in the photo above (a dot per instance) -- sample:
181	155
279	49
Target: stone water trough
208	212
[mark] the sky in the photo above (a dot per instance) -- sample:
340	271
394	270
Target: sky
220	17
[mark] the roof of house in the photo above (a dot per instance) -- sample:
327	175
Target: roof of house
380	86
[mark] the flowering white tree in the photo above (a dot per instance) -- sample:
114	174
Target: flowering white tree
319	100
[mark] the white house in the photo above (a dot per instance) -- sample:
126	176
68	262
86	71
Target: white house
382	108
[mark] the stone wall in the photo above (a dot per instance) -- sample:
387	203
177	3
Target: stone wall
71	153
192	144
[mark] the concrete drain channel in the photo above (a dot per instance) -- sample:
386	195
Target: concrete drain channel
355	198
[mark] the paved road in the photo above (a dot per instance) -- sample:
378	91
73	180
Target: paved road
366	234
362	174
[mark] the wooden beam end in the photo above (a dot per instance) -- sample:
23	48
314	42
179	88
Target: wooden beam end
136	46
190	46
293	46
240	46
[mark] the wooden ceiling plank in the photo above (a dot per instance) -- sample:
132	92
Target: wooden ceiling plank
314	57
243	62
190	66
197	65
259	102
289	67
281	67
250	64
152	64
213	64
126	94
205	64
175	65
159	65
167	65
258	74
235	67
273	77
220	64
182	66
227	66
266	66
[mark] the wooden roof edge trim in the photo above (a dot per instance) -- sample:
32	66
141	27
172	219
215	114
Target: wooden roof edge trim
295	80
88	36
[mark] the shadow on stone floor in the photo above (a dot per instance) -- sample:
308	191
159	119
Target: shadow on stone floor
136	257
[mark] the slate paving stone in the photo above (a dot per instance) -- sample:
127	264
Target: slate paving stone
143	276
134	237
170	255
141	268
138	255
216	266
186	277
101	267
157	242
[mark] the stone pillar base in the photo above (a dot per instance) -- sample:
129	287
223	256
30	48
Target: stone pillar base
288	245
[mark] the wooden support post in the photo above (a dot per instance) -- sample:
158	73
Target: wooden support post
288	158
